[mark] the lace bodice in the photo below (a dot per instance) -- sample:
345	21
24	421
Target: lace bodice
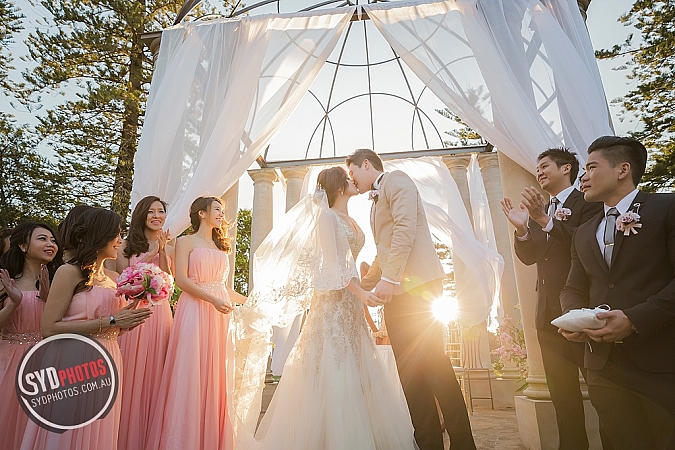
356	238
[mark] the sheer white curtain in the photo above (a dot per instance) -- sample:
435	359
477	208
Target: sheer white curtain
482	222
478	268
221	90
520	72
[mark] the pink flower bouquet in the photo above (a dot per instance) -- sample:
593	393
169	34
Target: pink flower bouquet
145	281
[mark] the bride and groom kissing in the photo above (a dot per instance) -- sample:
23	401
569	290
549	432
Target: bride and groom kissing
341	395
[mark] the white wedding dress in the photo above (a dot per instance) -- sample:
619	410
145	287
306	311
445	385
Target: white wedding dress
336	393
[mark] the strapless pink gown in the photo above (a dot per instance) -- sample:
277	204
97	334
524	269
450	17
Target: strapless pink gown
143	354
21	333
192	409
101	434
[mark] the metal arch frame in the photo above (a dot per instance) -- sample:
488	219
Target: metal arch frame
417	114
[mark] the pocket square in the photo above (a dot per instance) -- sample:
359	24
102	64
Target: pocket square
580	319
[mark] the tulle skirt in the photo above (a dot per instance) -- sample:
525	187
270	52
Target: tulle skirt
330	399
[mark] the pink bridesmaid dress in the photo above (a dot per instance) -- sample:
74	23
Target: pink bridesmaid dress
21	333
192	409
143	354
101	434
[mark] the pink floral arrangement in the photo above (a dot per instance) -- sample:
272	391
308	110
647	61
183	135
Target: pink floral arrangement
628	222
511	350
145	281
563	214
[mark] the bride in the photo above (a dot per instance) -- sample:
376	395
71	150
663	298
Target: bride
335	393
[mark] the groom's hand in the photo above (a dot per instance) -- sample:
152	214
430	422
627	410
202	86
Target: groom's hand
384	290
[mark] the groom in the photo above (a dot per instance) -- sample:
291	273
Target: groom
410	279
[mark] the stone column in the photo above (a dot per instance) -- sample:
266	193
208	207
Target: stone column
231	199
458	165
490	169
294	176
263	209
514	180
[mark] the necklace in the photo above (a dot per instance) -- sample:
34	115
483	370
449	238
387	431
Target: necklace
205	240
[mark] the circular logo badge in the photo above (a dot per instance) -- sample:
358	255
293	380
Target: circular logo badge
66	381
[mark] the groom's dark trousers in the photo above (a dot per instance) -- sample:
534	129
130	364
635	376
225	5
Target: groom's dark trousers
425	371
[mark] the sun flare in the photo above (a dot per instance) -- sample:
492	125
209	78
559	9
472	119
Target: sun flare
445	309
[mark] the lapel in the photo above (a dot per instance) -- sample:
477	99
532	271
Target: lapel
593	242
635	207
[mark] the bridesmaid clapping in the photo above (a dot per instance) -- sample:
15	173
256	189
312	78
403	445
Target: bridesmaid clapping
144	348
31	260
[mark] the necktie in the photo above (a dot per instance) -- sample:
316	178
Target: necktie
552	208
610	231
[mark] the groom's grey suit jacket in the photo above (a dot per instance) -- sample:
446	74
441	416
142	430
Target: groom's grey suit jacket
405	251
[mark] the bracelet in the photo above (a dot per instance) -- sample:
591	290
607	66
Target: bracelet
100	324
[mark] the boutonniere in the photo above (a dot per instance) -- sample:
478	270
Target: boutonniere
373	194
563	214
628	222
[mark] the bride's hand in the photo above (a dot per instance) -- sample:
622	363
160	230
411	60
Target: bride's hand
369	299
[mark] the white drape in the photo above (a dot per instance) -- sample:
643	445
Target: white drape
519	72
221	90
482	224
478	269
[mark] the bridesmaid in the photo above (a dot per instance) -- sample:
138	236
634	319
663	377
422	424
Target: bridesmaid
144	348
82	300
192	411
31	260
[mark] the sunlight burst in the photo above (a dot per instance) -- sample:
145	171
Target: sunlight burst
445	309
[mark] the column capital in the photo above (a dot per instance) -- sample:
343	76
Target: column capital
294	172
265	175
583	7
488	160
452	161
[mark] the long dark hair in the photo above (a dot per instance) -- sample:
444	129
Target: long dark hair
14	259
66	227
92	232
137	243
219	235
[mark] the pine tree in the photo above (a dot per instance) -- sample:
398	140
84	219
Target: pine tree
10	24
29	185
94	48
652	100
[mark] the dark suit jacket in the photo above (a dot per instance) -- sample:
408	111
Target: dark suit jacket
641	283
552	256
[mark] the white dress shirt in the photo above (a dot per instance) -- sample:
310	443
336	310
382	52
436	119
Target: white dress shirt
623	206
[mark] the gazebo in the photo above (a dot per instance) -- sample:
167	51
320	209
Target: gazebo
224	88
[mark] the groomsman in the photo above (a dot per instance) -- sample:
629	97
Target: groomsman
545	240
625	258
